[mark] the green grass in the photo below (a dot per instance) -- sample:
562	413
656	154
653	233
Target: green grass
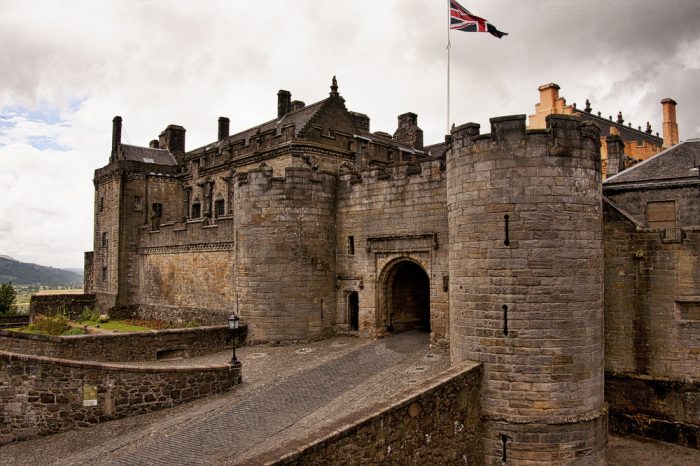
117	326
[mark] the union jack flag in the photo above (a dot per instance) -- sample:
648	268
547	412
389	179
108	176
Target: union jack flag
462	20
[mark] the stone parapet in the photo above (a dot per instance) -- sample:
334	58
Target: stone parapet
436	423
41	395
144	346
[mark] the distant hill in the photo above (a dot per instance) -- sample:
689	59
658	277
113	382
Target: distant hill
24	273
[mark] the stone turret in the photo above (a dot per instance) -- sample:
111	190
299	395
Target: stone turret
526	285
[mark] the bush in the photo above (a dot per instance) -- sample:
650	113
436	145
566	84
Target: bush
54	325
8	296
75	331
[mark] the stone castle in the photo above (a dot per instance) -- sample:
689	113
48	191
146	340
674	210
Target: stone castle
506	246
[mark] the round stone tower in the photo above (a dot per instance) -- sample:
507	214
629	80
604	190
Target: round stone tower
285	253
526	285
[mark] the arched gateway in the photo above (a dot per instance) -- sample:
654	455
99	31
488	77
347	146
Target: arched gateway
406	297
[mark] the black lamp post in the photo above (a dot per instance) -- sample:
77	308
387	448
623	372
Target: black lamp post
233	322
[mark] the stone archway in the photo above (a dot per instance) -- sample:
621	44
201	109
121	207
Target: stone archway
407	297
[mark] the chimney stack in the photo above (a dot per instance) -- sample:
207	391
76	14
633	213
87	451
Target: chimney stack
670	126
116	134
223	128
616	151
173	140
408	131
284	103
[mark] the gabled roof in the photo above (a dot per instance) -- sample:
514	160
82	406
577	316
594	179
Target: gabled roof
676	163
147	155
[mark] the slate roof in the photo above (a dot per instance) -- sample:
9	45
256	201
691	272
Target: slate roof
676	163
626	133
299	118
147	155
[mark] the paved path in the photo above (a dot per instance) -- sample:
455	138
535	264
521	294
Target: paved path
288	391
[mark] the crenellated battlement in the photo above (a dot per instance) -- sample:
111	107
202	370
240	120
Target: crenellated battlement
295	178
563	134
402	172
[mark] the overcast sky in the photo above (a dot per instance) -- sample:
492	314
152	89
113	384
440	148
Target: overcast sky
67	67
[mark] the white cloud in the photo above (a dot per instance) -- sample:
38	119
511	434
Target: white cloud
188	63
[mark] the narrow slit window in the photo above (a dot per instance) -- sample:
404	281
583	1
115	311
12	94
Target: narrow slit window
104	240
351	245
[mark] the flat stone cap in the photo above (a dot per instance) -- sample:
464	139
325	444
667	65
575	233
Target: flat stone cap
669	101
547	86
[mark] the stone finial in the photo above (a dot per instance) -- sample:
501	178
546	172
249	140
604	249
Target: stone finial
334	86
574	105
648	130
620	120
588	107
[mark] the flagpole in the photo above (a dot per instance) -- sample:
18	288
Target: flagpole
448	68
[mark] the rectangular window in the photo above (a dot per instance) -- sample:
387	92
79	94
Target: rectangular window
138	203
104	274
661	214
196	210
351	245
690	310
104	239
102	203
219	207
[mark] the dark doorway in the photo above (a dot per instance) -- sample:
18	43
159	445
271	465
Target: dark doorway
409	306
354	310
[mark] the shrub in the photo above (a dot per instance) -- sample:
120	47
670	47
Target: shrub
75	331
54	325
8	296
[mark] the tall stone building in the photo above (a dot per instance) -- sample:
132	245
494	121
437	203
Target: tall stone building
503	245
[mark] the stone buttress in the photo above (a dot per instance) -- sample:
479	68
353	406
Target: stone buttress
526	285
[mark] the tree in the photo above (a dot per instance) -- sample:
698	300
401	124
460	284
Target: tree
7	298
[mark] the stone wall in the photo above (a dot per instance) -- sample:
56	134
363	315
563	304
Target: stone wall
438	423
40	395
526	285
652	329
72	305
145	346
667	410
393	215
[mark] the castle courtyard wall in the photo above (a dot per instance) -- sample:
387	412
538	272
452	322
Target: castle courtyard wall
652	330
